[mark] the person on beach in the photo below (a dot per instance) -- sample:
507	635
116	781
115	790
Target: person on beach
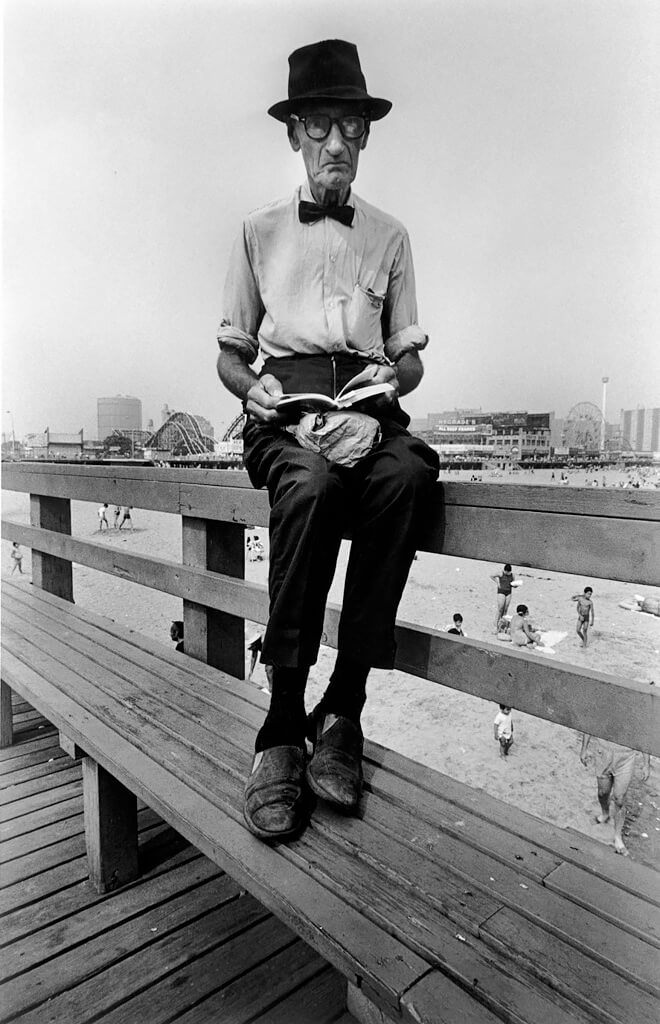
255	548
457	628
126	516
176	635
115	516
321	286
614	766
521	631
504	584
16	556
503	729
102	513
585	611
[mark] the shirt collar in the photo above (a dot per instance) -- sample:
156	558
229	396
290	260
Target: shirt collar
305	193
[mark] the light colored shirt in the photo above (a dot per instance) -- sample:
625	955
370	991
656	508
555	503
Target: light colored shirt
503	724
317	288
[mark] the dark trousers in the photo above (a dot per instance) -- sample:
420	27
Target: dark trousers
313	502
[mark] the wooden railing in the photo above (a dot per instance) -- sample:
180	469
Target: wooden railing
611	534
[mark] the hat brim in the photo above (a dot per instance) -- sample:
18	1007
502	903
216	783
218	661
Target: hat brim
376	107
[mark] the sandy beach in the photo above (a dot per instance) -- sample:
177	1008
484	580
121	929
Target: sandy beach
436	725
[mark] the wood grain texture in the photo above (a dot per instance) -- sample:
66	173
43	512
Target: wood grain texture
50	572
110	828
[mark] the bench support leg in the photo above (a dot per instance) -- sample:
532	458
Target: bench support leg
6	716
110	828
364	1011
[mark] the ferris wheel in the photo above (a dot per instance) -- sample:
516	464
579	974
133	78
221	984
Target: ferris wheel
583	427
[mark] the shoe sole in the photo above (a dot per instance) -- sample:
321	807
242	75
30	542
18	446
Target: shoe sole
283	836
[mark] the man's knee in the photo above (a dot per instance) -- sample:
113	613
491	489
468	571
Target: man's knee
408	466
306	482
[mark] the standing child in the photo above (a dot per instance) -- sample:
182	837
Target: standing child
503	729
585	610
102	513
16	556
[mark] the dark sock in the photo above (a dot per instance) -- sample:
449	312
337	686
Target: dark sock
347	691
285	721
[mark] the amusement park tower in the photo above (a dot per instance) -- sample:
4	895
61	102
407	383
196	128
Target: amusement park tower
603	410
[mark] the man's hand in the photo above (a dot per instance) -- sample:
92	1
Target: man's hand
262	398
376	374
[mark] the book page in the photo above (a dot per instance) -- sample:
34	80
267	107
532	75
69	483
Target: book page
361	394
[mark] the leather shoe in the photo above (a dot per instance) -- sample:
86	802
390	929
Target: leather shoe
335	770
275	805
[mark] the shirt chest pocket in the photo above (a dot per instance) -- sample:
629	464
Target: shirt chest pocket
363	321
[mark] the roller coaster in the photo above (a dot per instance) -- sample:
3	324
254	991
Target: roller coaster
181	435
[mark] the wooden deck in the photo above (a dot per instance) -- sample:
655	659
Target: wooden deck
183	943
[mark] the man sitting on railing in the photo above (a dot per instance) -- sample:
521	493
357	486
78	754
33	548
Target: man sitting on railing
321	286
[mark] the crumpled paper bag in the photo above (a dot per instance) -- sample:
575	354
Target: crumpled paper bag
343	437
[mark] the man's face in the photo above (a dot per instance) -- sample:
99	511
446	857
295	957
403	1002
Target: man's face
331	163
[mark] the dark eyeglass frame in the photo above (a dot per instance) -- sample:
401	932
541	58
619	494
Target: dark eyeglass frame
331	121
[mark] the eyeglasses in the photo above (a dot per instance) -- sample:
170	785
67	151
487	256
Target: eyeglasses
318	126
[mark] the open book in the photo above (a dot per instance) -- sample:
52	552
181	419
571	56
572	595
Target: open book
350	394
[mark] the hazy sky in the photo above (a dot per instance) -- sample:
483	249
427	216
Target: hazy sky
522	153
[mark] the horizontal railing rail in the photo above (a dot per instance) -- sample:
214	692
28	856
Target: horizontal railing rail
562	527
607	534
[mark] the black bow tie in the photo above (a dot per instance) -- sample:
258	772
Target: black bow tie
309	213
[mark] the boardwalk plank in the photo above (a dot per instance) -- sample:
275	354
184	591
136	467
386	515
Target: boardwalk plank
31	787
26	823
167	851
131	902
104	975
21	870
212	972
50	765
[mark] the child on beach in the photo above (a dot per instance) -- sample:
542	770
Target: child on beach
176	635
16	556
102	513
521	630
457	628
503	729
585	610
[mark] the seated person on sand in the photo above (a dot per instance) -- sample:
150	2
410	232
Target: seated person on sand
521	630
614	766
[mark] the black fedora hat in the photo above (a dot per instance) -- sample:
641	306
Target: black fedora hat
329	70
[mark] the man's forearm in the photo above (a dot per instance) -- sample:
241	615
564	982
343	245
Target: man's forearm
235	374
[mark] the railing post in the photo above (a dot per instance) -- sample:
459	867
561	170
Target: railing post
215	637
53	574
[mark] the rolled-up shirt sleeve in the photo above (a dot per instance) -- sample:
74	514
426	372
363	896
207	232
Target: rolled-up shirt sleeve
401	331
242	309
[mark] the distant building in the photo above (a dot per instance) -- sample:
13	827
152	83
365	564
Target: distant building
499	435
120	412
48	445
640	428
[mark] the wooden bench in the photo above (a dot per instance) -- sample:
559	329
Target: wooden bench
438	903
